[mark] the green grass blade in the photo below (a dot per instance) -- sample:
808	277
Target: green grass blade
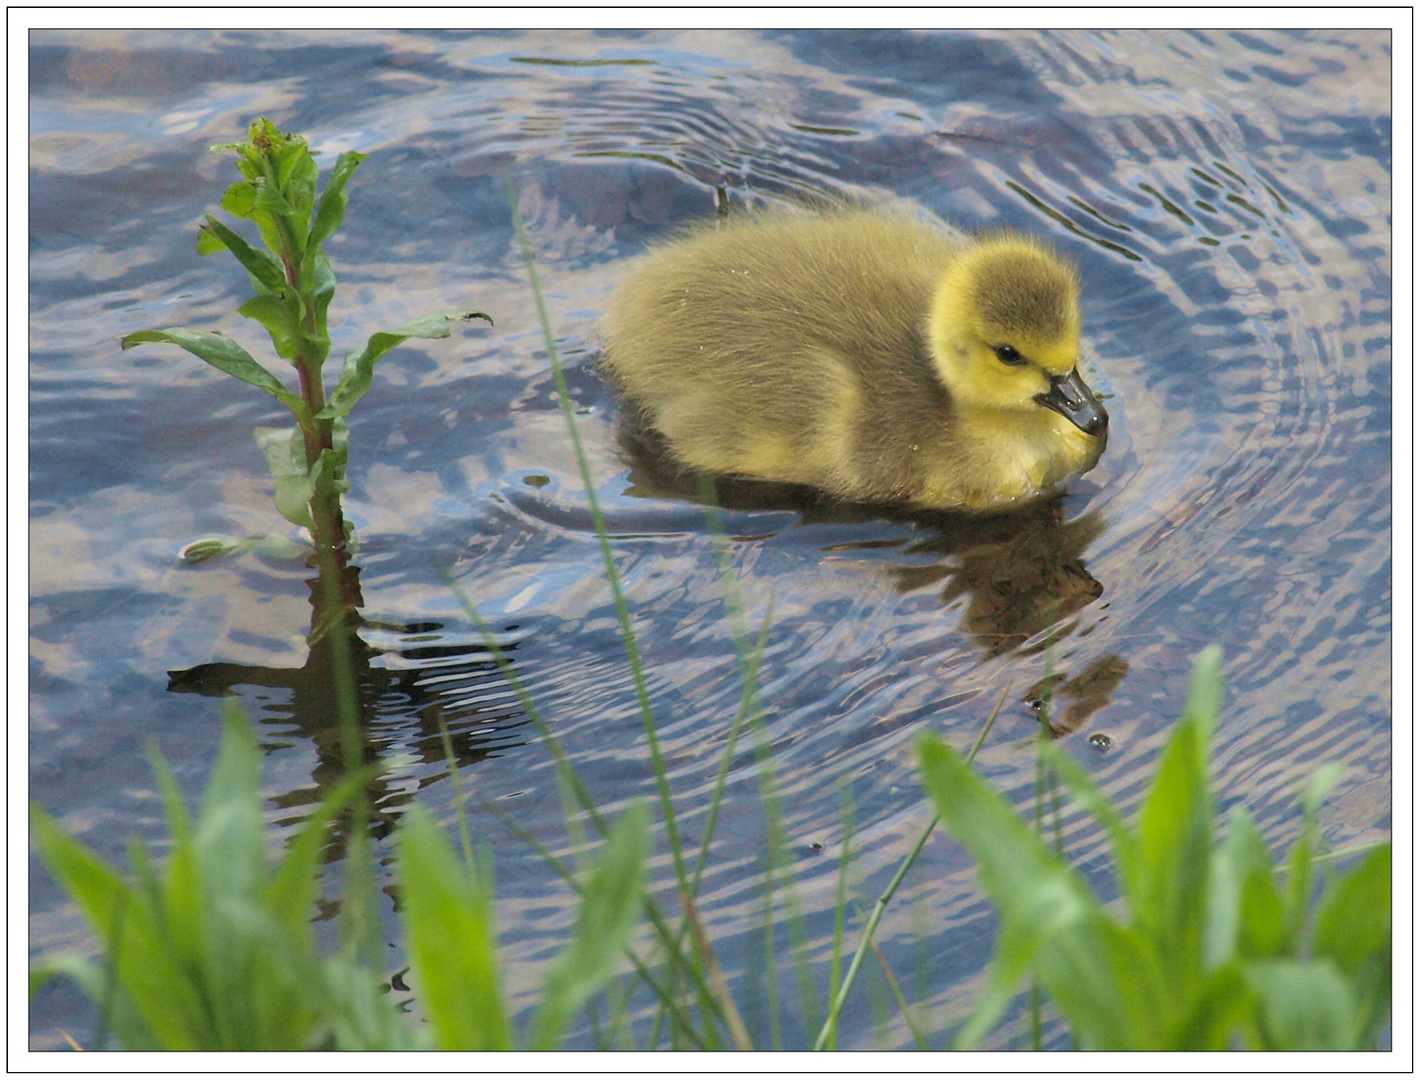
881	906
623	615
1082	787
448	920
290	893
141	962
840	904
609	905
1169	893
919	1037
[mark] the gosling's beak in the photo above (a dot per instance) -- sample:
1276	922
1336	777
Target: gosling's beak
1072	399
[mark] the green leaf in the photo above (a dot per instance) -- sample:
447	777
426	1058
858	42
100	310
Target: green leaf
1039	897
1319	785
610	905
1016	948
284	449
272	313
1300	871
1305	1004
1205	690
359	1014
331	211
1169	898
285	452
261	265
142	962
1024	877
230	836
239	199
448	919
1220	928
1353	930
1254	928
272	200
117	1010
1107	982
1353	922
207	242
224	354
293	500
1224	1004
317	282
358	373
298	179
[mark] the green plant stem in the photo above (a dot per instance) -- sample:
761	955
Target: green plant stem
361	903
880	908
918	1036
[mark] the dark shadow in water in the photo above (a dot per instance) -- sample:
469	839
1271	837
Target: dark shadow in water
400	703
1019	572
1076	700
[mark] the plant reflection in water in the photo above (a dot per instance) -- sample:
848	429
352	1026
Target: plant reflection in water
405	693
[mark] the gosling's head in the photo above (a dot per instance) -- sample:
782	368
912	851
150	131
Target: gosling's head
1004	331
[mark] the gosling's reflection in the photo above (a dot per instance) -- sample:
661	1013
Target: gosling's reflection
1017	573
421	677
1075	700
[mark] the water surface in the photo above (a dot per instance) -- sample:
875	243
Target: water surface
1226	196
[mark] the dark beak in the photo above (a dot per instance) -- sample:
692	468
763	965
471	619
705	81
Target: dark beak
1072	399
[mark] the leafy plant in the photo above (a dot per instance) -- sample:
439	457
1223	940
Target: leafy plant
1218	948
216	952
293	284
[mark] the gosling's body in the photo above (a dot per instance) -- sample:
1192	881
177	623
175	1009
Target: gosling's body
839	350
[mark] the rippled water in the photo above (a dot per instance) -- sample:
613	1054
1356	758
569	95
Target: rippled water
1226	195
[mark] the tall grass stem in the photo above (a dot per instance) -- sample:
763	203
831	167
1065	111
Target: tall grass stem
880	908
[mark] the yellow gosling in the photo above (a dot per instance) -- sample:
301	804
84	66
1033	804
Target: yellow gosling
870	354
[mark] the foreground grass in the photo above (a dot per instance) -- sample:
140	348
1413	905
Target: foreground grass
1219	948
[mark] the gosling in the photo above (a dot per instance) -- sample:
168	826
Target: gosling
865	353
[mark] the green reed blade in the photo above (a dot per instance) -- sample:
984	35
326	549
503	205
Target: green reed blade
846	826
880	908
567	775
623	615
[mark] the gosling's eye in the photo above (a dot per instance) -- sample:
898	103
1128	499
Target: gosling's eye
1007	354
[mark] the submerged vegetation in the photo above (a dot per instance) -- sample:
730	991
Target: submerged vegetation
1219	948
